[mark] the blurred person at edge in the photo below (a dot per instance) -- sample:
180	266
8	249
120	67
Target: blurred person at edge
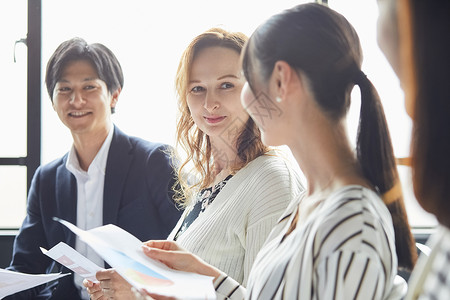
415	38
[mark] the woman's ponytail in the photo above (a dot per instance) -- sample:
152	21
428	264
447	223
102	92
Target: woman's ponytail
376	157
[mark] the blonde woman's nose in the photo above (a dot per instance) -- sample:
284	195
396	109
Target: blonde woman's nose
211	102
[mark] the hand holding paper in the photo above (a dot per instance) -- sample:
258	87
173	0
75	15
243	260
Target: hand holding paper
124	252
174	256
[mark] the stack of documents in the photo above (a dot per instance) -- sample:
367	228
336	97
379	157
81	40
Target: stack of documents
123	252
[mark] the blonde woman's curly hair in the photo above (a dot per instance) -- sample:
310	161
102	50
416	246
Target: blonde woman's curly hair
190	138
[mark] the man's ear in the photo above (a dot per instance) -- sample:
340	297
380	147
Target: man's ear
115	97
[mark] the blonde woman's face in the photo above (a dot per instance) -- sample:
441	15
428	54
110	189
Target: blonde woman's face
214	93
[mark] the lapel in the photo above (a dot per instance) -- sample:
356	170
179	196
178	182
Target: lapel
117	165
66	198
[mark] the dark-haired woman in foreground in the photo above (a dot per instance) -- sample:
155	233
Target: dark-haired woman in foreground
346	237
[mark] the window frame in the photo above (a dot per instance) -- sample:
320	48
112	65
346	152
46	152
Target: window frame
34	42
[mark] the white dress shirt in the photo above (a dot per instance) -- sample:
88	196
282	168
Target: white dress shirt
90	186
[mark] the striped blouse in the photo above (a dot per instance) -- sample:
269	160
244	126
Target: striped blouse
430	279
345	249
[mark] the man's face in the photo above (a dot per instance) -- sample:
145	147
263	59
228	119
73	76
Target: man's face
82	100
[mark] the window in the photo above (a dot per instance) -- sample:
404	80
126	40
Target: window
13	122
148	38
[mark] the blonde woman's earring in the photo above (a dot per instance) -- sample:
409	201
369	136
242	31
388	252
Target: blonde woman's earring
278	99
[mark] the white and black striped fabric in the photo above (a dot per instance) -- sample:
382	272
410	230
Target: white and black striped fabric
344	250
430	279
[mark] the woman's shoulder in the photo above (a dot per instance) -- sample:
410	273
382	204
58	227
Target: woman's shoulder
268	173
353	197
355	214
272	156
355	200
273	161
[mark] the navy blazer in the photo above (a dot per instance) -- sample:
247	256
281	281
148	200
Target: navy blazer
137	197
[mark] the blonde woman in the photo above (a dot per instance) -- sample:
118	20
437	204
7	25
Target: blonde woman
241	187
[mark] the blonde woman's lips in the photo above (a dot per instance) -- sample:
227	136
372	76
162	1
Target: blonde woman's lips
214	120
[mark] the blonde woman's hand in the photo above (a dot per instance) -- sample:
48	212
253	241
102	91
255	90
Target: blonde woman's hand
175	257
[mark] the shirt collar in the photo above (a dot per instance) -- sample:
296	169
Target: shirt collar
99	162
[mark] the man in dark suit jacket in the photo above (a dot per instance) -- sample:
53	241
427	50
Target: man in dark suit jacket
84	82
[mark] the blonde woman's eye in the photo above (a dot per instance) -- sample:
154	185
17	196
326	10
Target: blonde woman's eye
227	85
197	89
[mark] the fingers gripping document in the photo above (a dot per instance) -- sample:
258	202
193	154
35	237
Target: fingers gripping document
123	251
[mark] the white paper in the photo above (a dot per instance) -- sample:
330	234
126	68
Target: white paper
123	251
12	282
73	260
